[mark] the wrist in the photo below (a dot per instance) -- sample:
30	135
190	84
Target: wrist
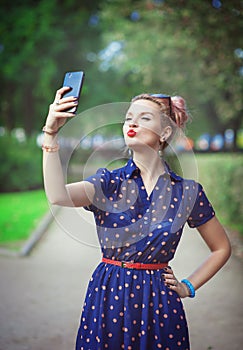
50	149
190	288
185	293
49	131
50	139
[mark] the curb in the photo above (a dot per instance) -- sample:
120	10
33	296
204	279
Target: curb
34	237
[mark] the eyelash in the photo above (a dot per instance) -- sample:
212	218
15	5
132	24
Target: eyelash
129	118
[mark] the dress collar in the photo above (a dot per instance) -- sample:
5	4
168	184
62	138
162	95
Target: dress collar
130	168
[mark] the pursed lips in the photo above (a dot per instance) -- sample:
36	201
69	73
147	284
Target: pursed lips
131	133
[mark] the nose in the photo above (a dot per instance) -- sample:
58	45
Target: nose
133	125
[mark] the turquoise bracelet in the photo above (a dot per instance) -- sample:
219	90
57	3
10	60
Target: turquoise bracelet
190	288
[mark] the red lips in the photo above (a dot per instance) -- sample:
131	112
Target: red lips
131	133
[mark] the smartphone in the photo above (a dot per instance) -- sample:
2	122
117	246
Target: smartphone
75	81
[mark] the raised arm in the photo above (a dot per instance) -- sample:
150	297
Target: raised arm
76	194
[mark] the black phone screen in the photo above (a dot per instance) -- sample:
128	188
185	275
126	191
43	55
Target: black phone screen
74	80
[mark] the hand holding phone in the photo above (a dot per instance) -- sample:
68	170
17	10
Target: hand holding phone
74	80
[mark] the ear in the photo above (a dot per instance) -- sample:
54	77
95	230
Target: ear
166	133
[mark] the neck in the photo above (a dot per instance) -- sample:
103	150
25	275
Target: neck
149	165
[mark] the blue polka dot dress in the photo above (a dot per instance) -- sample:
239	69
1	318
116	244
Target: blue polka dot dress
133	309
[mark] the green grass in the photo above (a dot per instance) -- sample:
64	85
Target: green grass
20	214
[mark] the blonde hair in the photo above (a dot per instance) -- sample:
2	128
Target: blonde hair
174	112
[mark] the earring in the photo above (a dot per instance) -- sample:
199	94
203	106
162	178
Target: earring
161	143
129	152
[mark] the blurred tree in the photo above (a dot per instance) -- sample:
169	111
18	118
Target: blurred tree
25	63
40	40
187	47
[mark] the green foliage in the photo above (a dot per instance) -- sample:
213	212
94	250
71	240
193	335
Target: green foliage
20	213
40	41
20	165
182	47
221	175
177	47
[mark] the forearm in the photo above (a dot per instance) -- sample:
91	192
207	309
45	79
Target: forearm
216	239
54	182
209	268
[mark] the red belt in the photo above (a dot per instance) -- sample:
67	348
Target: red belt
130	265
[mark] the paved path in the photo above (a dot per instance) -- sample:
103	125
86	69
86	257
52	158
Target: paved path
41	295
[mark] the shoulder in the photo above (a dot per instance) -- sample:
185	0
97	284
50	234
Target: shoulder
184	182
112	173
105	175
190	189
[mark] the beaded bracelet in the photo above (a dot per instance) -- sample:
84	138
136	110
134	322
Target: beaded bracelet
50	149
48	131
190	288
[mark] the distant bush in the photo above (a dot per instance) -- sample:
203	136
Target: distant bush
221	175
20	165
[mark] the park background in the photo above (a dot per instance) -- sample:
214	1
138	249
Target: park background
191	48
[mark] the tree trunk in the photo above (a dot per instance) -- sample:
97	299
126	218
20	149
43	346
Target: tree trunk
213	118
7	107
28	111
235	124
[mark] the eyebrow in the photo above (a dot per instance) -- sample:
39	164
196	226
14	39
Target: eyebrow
142	113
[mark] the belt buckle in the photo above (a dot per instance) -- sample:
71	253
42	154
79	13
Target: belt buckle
123	264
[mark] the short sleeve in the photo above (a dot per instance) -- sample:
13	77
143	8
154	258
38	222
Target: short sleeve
100	181
202	210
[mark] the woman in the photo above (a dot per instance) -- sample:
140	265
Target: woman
133	299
